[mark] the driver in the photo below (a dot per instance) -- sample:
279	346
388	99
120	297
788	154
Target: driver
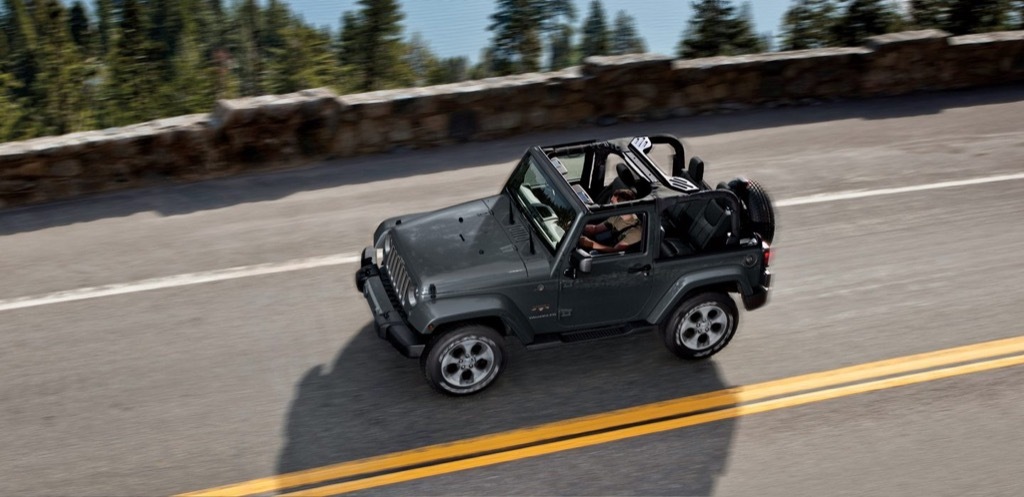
617	233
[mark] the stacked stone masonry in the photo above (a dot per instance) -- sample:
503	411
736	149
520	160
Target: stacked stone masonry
272	132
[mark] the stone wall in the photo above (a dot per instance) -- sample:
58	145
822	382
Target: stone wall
287	130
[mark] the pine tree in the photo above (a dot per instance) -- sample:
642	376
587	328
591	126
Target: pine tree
165	27
79	25
808	24
196	80
716	29
11	112
516	46
978	16
863	19
595	32
563	54
246	46
929	14
132	83
57	92
277	26
449	70
21	61
381	42
624	35
305	60
557	17
105	25
370	45
419	59
555	14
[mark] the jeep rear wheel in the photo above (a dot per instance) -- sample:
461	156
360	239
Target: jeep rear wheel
701	326
464	360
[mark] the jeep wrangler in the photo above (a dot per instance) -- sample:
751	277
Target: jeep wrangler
452	285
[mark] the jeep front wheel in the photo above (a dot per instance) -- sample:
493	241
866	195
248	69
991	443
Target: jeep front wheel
464	360
701	325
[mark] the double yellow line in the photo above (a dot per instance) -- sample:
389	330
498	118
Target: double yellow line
633	422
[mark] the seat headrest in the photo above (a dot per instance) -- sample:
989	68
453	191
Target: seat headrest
696	169
626	175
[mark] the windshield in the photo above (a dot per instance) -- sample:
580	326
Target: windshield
550	212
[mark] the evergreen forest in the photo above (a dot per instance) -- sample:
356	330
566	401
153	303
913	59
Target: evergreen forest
69	66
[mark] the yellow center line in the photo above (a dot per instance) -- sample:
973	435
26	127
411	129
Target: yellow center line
655	427
598	422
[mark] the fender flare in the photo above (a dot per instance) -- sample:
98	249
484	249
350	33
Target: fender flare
690	282
430	315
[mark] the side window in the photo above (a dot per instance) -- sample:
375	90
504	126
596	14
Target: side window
622	233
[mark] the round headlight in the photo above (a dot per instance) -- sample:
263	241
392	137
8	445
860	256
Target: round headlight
387	244
410	297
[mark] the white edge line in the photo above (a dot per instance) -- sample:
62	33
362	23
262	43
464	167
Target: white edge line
337	260
848	195
175	281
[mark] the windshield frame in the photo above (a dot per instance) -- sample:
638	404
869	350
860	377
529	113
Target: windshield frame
559	186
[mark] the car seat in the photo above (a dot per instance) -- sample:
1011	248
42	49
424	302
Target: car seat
694	227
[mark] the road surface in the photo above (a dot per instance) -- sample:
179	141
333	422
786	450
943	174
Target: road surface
190	337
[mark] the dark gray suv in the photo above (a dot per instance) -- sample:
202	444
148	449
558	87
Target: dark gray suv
585	241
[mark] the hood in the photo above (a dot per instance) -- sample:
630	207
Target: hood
459	248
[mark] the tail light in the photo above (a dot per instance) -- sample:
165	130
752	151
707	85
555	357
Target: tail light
767	253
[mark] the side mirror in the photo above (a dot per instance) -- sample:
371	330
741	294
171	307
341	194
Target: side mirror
582	261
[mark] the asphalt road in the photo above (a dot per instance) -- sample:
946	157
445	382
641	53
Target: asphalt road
191	385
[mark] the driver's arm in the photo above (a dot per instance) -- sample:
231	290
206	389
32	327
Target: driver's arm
588	244
595	229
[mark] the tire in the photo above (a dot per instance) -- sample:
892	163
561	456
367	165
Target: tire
760	211
701	325
464	360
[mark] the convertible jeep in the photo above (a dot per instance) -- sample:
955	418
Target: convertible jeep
585	241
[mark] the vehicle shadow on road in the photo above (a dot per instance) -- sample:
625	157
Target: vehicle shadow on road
372	401
177	199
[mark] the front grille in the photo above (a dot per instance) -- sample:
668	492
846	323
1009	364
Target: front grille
395	277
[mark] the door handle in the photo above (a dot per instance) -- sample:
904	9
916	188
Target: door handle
646	268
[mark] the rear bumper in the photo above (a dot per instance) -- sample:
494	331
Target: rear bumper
760	296
387	320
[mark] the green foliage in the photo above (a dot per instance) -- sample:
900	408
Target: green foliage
716	29
516	45
978	16
305	60
809	24
562	52
419	60
624	37
133	75
929	14
71	65
372	45
596	38
518	28
105	24
79	25
866	18
11	111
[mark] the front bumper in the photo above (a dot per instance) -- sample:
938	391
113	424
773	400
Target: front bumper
387	320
